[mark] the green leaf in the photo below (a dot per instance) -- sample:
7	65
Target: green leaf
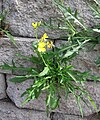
79	105
75	49
69	53
97	60
24	93
37	92
95	78
72	76
69	10
76	13
11	37
67	13
53	102
5	66
26	100
48	100
19	79
44	72
96	30
93	103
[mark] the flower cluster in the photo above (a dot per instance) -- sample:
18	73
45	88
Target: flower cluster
36	24
43	43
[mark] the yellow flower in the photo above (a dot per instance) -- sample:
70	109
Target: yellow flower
39	23
44	37
49	44
41	47
36	24
42	44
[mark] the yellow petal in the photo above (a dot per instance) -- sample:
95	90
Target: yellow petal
49	44
41	49
35	25
44	37
42	44
39	23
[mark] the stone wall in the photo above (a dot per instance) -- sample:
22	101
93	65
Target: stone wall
0	6
21	14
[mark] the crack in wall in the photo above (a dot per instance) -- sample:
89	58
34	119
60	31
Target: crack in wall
6	85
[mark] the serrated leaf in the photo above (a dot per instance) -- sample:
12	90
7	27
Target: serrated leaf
67	13
44	72
69	53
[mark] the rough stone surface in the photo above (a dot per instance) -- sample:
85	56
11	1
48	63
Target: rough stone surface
2	87
22	13
70	106
0	6
18	89
85	61
8	111
0	11
84	11
94	116
59	116
8	52
66	106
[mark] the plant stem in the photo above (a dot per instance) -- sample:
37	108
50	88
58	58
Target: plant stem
43	59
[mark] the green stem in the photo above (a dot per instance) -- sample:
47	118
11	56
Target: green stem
43	59
36	35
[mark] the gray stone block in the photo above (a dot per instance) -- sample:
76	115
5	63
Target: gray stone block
68	106
23	13
0	6
8	52
0	9
18	89
59	116
85	60
8	111
95	116
2	87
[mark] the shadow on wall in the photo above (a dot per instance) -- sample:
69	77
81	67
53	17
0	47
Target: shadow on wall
95	116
